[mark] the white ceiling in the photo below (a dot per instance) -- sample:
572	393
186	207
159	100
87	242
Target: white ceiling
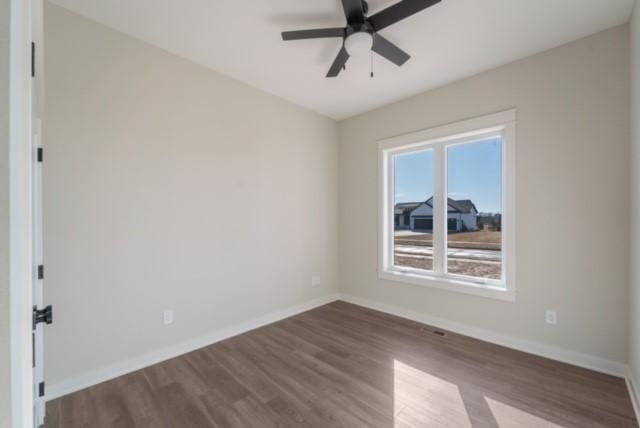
450	41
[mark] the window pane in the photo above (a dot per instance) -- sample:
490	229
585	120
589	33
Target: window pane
413	212
474	218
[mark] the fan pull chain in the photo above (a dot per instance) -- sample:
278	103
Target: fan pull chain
372	64
372	61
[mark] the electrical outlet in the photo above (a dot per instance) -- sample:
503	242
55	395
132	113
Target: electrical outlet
551	317
315	281
167	317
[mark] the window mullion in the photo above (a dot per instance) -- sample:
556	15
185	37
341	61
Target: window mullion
439	211
390	210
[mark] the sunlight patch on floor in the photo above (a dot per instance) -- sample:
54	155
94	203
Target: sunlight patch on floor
421	399
509	416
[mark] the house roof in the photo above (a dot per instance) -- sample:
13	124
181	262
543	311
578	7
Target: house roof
462	206
406	207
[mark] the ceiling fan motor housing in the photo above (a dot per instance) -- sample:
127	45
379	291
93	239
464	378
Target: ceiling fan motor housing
357	28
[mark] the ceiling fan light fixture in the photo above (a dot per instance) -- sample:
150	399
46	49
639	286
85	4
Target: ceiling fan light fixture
359	43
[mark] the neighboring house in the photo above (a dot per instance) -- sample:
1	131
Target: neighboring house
462	215
402	214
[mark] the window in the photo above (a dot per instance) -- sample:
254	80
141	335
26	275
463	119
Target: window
474	211
413	183
446	200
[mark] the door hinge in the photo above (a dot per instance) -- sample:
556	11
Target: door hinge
39	154
41	389
42	315
40	271
33	59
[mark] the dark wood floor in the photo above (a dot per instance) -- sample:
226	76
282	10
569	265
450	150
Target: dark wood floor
342	365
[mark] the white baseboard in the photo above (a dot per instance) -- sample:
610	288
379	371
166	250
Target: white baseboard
591	362
632	386
112	371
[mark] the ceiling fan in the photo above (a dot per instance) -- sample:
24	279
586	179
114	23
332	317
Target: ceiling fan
361	33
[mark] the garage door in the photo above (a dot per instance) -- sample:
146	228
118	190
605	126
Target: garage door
423	223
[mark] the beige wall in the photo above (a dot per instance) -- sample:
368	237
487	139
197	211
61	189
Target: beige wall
5	364
170	186
572	195
634	336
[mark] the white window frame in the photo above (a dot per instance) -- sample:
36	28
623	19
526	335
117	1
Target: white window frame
501	124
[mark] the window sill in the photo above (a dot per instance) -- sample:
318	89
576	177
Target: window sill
489	290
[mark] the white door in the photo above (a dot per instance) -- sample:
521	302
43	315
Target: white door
42	313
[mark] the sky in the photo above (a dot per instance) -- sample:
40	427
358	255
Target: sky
473	172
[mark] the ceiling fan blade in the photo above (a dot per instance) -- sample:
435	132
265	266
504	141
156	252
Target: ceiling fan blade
313	34
338	63
353	11
398	12
385	48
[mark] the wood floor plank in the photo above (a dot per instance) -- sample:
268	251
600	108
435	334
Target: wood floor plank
244	371
317	390
178	407
342	365
221	412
